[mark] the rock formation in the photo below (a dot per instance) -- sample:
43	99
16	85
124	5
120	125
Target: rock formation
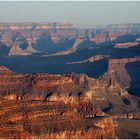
91	59
61	106
39	119
67	88
16	50
69	105
78	40
126	45
118	71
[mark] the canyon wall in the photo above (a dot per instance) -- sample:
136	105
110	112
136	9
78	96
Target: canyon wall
39	119
62	106
67	88
117	70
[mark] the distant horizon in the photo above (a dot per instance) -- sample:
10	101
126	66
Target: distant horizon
74	12
22	22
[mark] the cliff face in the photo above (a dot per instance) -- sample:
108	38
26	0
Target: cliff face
4	70
30	26
39	119
106	94
17	50
56	34
117	70
61	106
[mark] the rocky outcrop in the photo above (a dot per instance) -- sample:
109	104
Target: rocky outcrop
41	119
88	109
113	28
54	33
61	106
124	28
29	26
124	60
131	115
78	40
117	70
29	49
126	45
4	70
68	88
16	50
91	59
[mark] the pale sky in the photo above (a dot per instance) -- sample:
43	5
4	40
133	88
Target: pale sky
89	13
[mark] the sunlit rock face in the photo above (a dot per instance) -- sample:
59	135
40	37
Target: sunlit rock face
39	119
29	26
61	106
68	105
126	45
107	94
51	36
17	50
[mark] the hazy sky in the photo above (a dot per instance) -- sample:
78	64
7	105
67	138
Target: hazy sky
89	13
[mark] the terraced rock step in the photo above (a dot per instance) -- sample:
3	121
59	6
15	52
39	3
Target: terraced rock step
68	88
63	106
41	119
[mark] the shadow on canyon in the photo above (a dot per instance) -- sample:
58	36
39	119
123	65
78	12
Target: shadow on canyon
133	70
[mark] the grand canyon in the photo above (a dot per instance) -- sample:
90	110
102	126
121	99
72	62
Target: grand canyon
59	80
